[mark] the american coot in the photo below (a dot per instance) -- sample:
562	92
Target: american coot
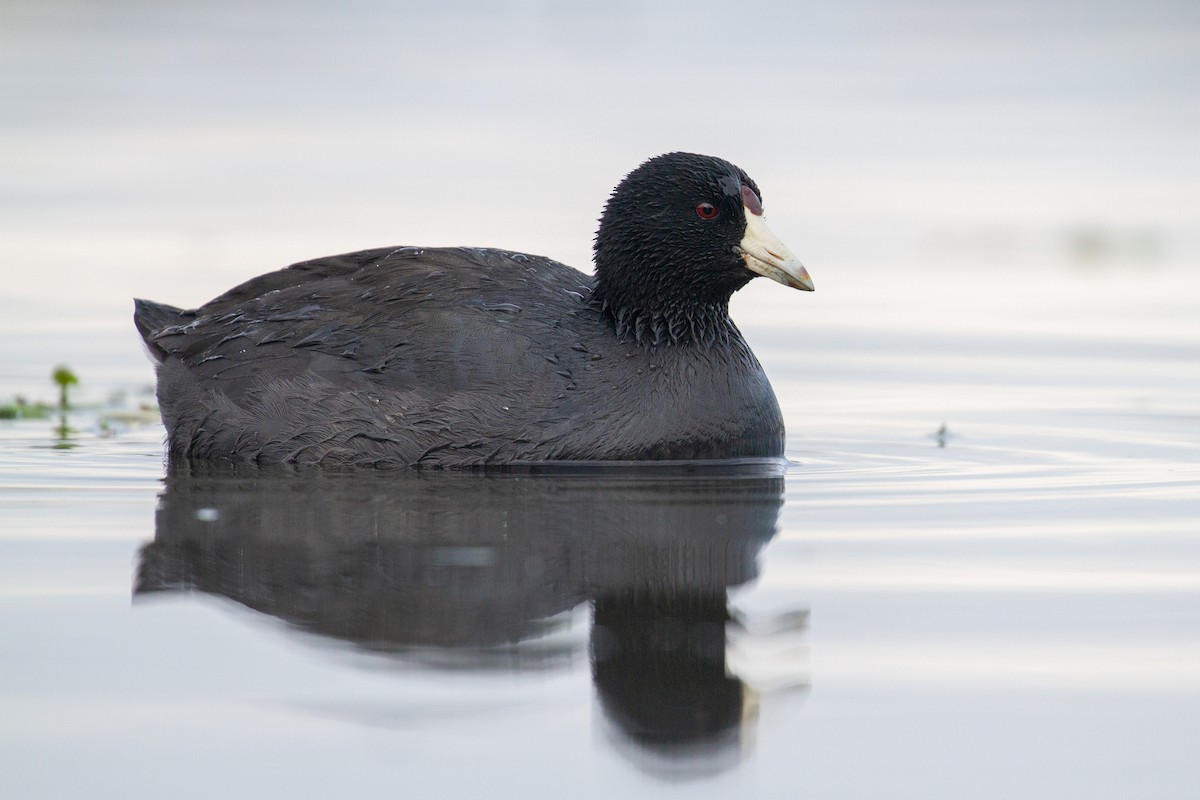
467	357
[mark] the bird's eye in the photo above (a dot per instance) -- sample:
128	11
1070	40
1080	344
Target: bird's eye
706	211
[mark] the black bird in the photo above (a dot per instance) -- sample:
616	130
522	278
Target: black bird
471	357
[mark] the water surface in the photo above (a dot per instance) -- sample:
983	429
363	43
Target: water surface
1013	612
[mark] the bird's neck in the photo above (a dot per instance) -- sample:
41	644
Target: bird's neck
702	324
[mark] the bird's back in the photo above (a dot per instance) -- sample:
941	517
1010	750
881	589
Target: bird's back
382	356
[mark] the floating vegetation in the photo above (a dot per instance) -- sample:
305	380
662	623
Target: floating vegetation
72	418
20	408
941	435
144	415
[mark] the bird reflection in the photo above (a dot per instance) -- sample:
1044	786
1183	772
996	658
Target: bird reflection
479	570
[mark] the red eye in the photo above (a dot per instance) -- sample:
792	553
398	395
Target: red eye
706	211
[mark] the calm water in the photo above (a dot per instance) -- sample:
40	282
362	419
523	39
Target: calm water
1016	613
978	576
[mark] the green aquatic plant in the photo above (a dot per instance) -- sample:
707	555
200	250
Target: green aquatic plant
64	378
20	408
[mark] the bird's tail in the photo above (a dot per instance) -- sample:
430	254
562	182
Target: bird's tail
150	318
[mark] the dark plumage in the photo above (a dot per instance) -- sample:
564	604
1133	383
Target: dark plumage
465	357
